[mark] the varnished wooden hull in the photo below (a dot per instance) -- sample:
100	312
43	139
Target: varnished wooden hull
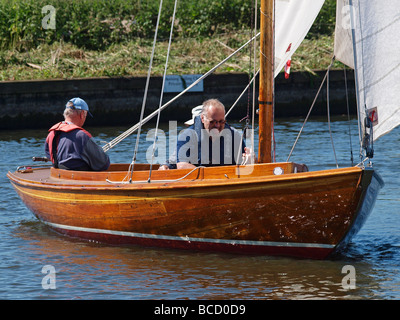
305	214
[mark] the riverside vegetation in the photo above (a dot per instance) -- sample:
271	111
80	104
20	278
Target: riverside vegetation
103	38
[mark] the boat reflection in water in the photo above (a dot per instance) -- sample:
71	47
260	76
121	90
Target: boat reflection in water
87	270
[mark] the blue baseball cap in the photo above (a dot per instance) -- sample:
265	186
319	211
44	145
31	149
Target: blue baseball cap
78	103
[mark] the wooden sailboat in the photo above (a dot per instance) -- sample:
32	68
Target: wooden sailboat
265	208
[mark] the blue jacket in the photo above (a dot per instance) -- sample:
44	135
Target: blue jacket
71	147
196	147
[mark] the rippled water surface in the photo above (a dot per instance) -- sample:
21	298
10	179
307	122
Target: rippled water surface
86	270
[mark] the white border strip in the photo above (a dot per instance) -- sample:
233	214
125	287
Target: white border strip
176	238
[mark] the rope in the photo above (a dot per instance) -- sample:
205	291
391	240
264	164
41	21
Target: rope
128	132
156	181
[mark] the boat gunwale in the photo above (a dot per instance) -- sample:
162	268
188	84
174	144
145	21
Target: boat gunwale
87	185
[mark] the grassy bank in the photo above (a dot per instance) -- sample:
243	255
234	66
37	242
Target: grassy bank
97	38
188	56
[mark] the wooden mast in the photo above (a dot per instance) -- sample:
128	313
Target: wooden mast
266	93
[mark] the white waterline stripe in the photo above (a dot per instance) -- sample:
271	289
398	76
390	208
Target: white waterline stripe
176	238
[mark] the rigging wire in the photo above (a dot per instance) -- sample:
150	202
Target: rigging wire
273	90
254	85
364	92
309	111
243	92
145	93
234	105
162	91
250	68
128	132
237	100
348	117
252	71
329	113
356	74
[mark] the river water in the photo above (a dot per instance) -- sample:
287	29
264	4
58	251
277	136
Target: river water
86	270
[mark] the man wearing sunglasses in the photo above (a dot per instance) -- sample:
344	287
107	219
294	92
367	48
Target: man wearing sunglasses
210	141
71	147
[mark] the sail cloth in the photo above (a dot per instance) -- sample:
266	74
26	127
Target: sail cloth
293	20
343	34
375	26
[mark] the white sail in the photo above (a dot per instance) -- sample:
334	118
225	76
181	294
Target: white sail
343	34
293	20
375	26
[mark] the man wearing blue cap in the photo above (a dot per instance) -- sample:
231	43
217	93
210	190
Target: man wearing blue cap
71	147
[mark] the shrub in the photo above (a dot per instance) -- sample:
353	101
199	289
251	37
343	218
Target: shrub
95	24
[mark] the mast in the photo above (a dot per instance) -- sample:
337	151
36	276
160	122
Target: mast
266	81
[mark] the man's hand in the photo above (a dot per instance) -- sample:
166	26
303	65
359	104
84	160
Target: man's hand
185	165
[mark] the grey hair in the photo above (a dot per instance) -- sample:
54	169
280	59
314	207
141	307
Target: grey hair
212	102
70	112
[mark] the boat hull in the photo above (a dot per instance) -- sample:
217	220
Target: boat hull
306	214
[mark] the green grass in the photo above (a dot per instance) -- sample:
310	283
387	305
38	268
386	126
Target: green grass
112	38
188	56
